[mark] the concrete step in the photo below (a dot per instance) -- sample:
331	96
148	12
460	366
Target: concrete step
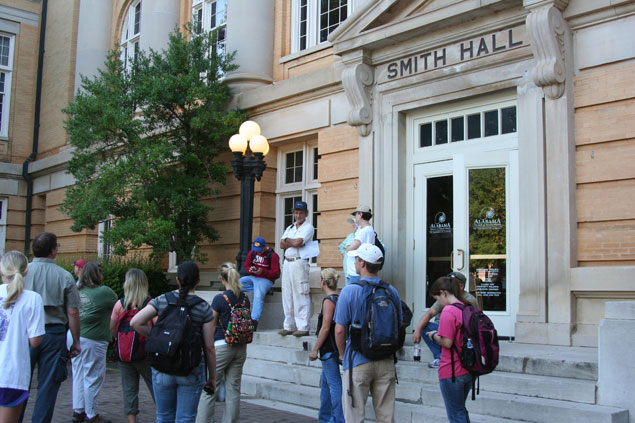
288	395
543	360
531	409
273	362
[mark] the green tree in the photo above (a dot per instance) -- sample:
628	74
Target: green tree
146	139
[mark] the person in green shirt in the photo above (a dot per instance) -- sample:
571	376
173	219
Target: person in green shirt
89	367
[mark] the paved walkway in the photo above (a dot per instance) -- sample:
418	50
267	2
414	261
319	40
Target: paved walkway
110	405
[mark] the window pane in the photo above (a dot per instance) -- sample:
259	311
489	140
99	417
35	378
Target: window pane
290	160
441	129
508	120
474	126
491	123
457	129
2	77
4	50
298	158
315	163
298	174
137	18
425	135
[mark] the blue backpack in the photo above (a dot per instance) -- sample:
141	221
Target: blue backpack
375	330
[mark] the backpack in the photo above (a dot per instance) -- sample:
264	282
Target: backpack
240	327
175	345
129	345
375	328
329	344
380	245
479	349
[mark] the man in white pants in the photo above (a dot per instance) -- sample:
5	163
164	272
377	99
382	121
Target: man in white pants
296	300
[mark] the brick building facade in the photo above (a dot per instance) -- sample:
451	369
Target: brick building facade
411	107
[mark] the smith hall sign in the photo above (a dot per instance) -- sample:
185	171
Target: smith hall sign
457	53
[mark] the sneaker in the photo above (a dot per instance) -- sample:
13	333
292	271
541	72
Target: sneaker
79	417
285	332
98	419
434	363
300	333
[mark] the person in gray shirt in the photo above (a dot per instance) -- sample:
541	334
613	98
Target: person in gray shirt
425	325
59	295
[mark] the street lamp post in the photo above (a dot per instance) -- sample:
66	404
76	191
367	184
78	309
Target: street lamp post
247	168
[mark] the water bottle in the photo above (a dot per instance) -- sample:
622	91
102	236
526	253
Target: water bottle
469	343
417	353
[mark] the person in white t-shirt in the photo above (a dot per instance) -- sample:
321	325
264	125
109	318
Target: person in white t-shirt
365	234
21	318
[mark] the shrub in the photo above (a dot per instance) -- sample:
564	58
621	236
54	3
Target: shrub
115	273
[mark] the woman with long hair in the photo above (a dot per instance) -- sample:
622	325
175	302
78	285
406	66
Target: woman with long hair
455	383
135	297
89	367
177	396
21	319
330	380
229	358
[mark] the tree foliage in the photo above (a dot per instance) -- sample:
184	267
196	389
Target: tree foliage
146	139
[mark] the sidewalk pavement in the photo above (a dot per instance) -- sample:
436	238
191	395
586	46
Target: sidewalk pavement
110	404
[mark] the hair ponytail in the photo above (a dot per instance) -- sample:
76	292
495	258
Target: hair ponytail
450	285
189	276
230	275
330	277
13	267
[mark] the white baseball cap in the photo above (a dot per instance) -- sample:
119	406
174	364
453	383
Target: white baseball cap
369	253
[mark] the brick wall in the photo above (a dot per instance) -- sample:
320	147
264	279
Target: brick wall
605	174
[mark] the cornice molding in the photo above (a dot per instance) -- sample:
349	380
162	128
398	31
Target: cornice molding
547	30
357	80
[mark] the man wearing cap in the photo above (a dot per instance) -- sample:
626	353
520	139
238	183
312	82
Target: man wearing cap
78	266
425	325
374	376
364	234
61	301
296	300
263	266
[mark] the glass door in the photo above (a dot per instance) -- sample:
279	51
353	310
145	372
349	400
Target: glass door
465	221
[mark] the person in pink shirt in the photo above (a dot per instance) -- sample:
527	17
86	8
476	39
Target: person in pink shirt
456	385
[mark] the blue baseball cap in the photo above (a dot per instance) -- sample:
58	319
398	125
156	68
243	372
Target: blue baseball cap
301	205
259	244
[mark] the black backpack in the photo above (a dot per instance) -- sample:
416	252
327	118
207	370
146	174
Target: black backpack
329	345
380	245
175	345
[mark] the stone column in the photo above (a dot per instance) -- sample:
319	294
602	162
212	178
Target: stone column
250	35
552	47
93	37
616	362
159	18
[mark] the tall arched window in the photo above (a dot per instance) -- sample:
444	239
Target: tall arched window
131	33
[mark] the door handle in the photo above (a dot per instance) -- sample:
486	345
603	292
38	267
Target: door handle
462	259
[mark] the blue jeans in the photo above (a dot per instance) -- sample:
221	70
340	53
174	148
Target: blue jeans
331	392
260	287
50	358
177	396
434	347
454	396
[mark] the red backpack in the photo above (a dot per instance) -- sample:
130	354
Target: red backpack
479	350
129	345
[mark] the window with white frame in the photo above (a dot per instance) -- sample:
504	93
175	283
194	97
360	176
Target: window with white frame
211	15
6	74
104	249
3	224
131	34
297	181
313	20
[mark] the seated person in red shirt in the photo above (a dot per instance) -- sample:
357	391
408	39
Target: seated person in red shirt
263	266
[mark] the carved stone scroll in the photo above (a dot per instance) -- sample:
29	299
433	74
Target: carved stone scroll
547	30
357	80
